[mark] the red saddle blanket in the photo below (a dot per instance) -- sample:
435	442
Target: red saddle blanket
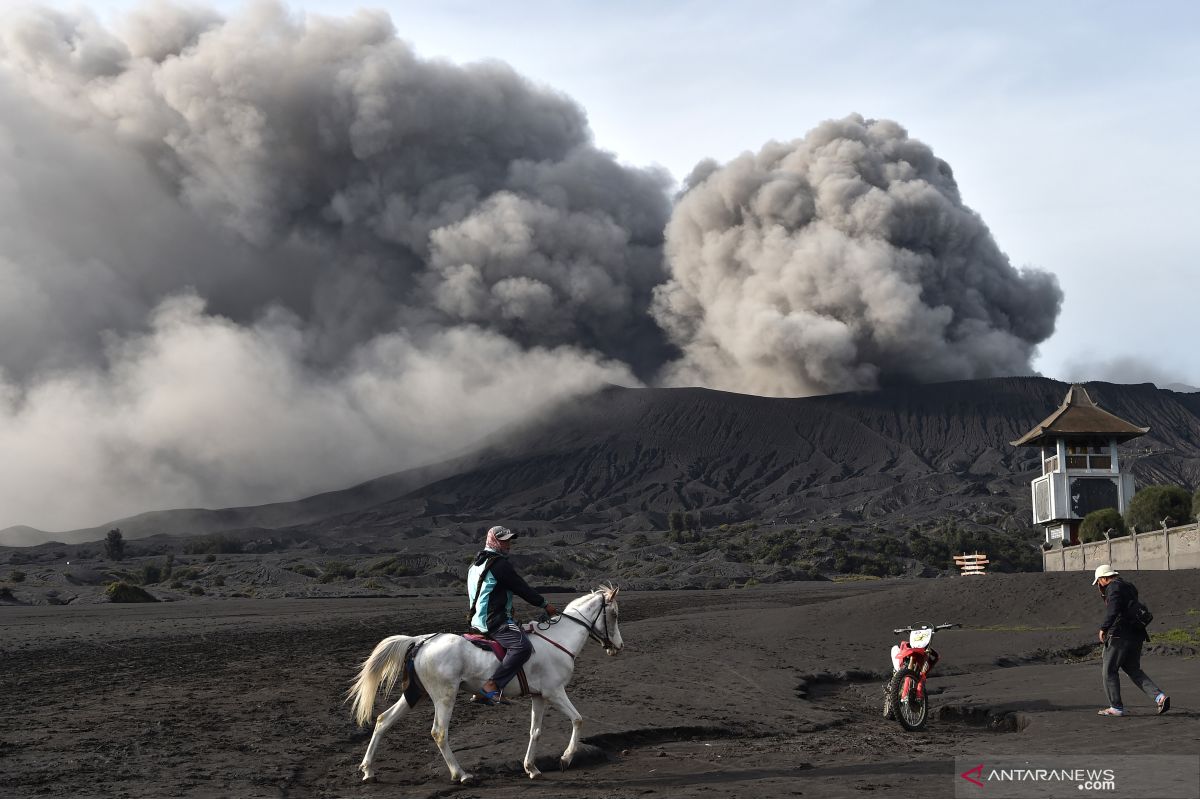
481	641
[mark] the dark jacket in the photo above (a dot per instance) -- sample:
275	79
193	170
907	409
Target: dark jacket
493	606
1118	596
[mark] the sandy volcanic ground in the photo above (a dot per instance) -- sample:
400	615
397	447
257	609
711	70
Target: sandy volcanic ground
771	691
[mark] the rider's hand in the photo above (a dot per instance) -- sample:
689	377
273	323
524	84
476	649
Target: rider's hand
1102	636
551	610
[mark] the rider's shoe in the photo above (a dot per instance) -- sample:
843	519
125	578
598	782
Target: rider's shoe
492	698
1111	712
1163	702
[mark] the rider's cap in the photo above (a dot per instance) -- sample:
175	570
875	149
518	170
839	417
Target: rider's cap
1104	571
502	533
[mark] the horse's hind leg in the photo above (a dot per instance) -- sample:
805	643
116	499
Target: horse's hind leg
443	707
535	732
563	704
382	723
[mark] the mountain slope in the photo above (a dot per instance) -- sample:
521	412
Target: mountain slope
632	456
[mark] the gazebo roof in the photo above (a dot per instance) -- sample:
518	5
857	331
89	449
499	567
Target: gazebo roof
1079	416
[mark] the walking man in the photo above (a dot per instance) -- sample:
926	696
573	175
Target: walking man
1123	637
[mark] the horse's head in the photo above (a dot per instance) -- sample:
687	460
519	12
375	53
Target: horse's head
609	594
598	611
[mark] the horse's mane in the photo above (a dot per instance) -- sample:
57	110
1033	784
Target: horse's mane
607	589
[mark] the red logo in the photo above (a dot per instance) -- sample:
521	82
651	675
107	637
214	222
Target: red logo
977	772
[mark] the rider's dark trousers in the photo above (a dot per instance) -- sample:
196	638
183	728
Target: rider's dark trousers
1125	653
519	650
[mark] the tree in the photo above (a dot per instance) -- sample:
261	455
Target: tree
114	545
1152	504
675	521
1096	523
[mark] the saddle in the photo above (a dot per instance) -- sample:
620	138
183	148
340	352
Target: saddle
485	642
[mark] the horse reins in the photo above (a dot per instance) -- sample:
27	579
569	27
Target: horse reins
591	629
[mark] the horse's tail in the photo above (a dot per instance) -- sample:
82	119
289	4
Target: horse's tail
384	665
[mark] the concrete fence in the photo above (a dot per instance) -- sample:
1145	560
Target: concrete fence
1174	548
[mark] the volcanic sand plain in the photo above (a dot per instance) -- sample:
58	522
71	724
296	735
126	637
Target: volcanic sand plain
770	691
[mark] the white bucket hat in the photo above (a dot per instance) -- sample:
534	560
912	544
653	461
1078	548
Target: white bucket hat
1104	571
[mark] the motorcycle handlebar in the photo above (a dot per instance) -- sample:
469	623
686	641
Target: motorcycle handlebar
941	627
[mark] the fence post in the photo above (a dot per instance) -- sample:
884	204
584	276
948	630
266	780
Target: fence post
1108	543
1137	560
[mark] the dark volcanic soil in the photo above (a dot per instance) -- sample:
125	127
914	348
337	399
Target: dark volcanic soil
771	691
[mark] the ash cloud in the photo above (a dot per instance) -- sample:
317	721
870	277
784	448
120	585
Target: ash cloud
252	258
841	261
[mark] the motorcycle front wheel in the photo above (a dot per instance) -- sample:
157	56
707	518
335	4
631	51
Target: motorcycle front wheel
909	705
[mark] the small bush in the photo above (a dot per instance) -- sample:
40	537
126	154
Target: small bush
1152	504
210	558
196	589
1096	523
335	570
151	573
121	592
16	576
219	580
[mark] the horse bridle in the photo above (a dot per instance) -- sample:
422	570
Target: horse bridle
591	627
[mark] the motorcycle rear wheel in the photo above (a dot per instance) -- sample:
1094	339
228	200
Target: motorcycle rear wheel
909	704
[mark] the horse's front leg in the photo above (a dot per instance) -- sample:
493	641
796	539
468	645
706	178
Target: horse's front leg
443	706
535	733
559	698
382	723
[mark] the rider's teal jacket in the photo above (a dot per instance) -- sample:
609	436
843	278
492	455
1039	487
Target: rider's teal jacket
493	610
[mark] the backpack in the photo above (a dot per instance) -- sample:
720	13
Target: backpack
487	565
1139	613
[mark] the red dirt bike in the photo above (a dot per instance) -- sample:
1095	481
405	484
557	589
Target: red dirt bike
904	696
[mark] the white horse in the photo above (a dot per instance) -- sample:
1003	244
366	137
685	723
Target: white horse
446	662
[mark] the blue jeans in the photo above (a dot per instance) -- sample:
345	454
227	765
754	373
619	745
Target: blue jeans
518	648
1123	653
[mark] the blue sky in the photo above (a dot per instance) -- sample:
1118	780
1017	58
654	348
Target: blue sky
1069	126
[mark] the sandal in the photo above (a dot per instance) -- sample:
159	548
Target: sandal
486	698
1111	712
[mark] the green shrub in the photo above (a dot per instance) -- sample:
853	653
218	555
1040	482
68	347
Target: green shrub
638	540
219	580
151	573
121	592
16	576
212	544
196	589
1096	523
335	570
1152	504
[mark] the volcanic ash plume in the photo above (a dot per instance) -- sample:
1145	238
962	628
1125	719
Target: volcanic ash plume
246	259
844	260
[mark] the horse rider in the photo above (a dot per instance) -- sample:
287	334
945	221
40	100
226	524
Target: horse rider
491	583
